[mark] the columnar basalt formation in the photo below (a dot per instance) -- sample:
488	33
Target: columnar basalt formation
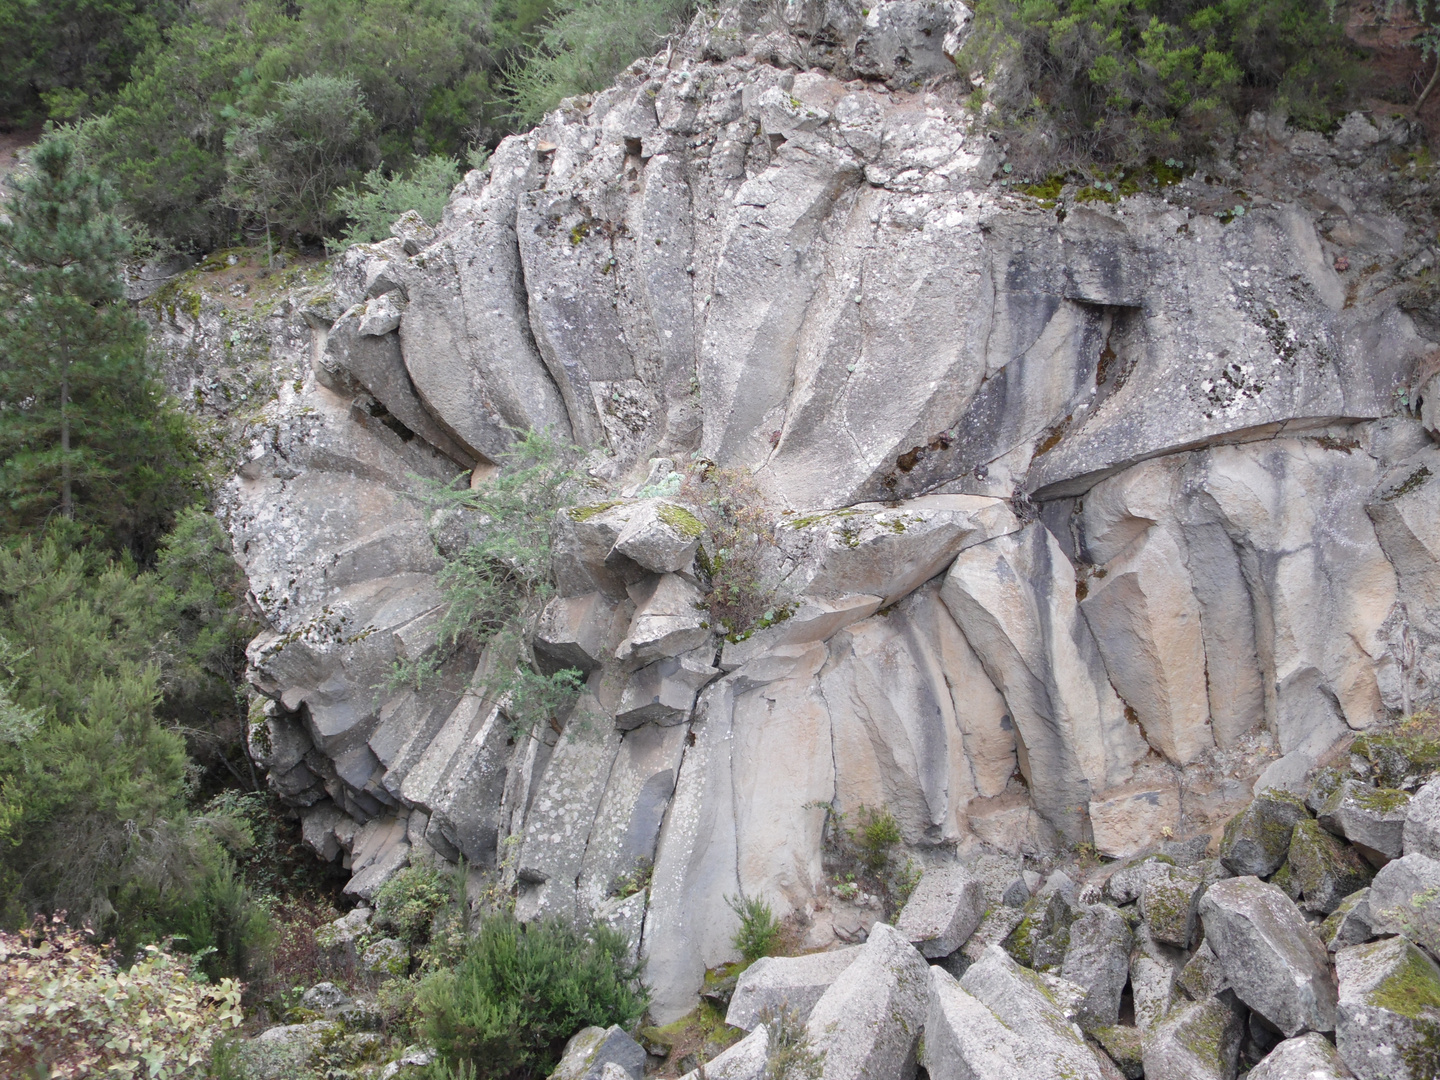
1074	501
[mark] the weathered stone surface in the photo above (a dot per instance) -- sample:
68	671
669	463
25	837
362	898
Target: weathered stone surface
1154	972
1098	959
1123	1045
1125	884
1422	822
576	631
1269	954
943	911
669	620
664	692
1258	838
1388	1021
1309	1057
1042	938
1405	899
964	1040
795	981
888	551
387	958
1371	818
1203	977
1324	869
1073	726
1349	923
591	1049
869	1022
1199	1040
906	40
661	536
1169	902
1052	1046
1126	820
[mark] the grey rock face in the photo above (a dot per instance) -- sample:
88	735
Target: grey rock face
1098	959
1422	822
1388	1022
592	1050
795	981
1154	971
1309	1057
1374	819
1203	977
743	1061
660	536
1405	899
943	911
668	620
664	692
869	1022
1199	1040
1269	954
1257	841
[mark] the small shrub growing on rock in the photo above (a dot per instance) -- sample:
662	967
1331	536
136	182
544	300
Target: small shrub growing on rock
789	1055
408	903
875	836
519	992
759	931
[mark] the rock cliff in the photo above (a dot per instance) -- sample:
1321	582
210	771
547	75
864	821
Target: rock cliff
1090	510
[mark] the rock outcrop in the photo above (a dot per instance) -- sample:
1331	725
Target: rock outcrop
1084	514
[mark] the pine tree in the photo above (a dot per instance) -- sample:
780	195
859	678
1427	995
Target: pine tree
86	435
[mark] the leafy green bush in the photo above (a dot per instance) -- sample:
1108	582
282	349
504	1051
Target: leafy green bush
1079	82
424	189
67	1010
408	903
758	931
874	836
518	993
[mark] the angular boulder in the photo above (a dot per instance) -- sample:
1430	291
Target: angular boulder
868	1023
943	911
1202	977
745	1060
1124	885
1405	899
669	619
661	536
1199	1040
576	632
1388	1021
591	1049
797	982
1309	1057
1350	923
1371	818
1169	902
964	1040
1269	954
1154	969
664	692
1098	959
1257	839
1051	1047
1042	937
1421	832
1323	869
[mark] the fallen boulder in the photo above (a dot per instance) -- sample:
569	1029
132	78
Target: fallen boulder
1269	954
943	911
964	1040
1388	1021
797	982
1053	1047
1309	1057
1154	969
1169	901
1371	818
1196	1041
868	1023
1350	923
745	1060
591	1049
1421	833
661	536
1405	899
1098	959
1324	870
1257	839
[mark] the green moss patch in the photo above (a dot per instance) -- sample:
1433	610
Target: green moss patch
585	513
680	519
